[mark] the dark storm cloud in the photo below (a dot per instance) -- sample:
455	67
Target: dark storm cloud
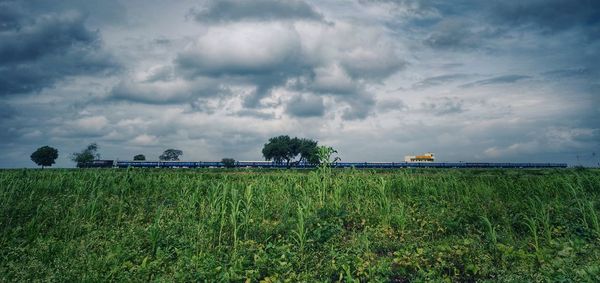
36	51
108	12
547	15
472	24
10	16
360	106
166	91
263	10
306	106
507	79
6	111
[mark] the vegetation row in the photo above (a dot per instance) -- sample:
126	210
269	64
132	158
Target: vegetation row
322	225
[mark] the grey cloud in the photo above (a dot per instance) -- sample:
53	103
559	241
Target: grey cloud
306	106
472	25
360	106
10	16
255	113
391	105
271	55
160	74
237	144
284	67
44	49
454	35
162	41
371	66
507	79
547	15
106	12
147	93
262	10
444	106
205	105
166	92
550	140
566	73
6	111
439	80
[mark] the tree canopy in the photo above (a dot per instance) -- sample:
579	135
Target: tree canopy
44	156
139	157
171	155
87	155
285	149
228	162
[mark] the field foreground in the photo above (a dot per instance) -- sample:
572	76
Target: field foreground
340	225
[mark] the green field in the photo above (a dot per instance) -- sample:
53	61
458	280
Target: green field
340	225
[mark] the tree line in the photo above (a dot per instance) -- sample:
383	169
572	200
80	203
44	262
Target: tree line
281	149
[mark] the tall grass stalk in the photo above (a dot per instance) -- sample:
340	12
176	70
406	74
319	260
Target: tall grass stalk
300	229
491	231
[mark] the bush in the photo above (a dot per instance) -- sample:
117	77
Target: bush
228	162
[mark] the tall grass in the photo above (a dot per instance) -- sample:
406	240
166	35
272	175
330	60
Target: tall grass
317	225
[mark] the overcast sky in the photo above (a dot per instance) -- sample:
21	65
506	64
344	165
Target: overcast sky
471	80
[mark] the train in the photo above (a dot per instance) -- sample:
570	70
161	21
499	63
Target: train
270	164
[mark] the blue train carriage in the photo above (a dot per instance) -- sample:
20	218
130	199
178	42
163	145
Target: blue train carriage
271	164
178	164
210	164
261	164
138	164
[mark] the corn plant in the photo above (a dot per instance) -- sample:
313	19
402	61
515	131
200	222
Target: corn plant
318	225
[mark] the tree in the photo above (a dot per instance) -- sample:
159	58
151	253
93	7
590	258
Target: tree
44	156
139	157
228	162
87	155
171	155
278	149
308	151
285	149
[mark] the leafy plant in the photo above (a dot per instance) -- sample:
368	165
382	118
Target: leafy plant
316	225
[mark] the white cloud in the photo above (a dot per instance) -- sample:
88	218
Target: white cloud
144	140
247	48
94	123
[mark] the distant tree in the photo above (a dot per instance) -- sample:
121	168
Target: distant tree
86	155
228	162
309	151
285	149
44	156
171	155
279	149
139	157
